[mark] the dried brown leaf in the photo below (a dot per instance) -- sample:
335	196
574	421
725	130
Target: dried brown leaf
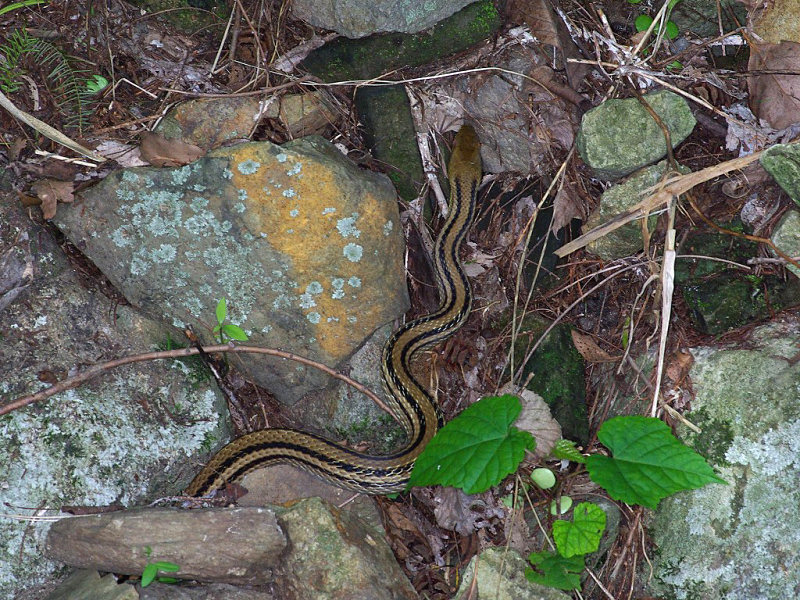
536	14
589	349
536	419
161	152
51	192
566	206
775	96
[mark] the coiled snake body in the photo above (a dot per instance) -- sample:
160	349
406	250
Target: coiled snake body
409	400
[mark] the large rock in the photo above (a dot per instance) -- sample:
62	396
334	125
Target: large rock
359	18
122	437
738	541
306	247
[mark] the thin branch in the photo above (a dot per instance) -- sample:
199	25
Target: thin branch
99	369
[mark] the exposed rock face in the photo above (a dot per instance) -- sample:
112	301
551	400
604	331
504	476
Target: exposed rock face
305	247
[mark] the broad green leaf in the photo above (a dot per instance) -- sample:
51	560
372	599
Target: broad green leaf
477	449
149	574
649	463
167	567
554	570
566	450
222	310
582	534
234	332
96	83
642	22
671	30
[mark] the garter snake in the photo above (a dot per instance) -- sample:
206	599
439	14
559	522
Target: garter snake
409	399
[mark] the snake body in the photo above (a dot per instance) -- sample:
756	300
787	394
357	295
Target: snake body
409	399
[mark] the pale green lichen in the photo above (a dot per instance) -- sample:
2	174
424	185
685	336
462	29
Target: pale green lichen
347	226
314	317
337	285
388	227
249	167
353	252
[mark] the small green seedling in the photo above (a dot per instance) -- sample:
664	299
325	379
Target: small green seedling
642	23
151	570
227	331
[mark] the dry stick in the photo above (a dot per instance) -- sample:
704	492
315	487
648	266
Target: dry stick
563	314
672	187
99	369
46	130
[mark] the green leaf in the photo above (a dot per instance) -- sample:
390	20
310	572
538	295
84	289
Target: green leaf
582	534
477	449
544	478
554	570
149	574
222	310
18	5
166	566
671	30
96	84
234	332
566	450
649	463
642	22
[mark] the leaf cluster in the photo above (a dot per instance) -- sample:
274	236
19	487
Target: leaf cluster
646	463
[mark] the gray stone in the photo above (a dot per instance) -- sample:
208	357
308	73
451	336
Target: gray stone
508	110
88	585
625	240
782	161
738	541
335	556
306	247
786	236
359	18
500	575
212	591
619	136
120	438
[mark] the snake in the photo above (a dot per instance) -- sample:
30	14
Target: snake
408	399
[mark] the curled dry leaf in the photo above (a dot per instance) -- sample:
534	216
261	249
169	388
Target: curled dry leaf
161	152
589	349
775	94
566	206
464	513
51	192
536	419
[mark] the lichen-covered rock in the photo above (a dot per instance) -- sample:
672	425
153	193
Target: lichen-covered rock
305	247
499	573
782	161
123	437
620	136
627	239
786	237
738	541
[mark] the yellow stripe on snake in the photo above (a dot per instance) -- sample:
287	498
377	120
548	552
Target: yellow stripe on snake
409	399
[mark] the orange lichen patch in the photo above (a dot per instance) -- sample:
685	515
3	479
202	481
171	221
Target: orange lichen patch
301	207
